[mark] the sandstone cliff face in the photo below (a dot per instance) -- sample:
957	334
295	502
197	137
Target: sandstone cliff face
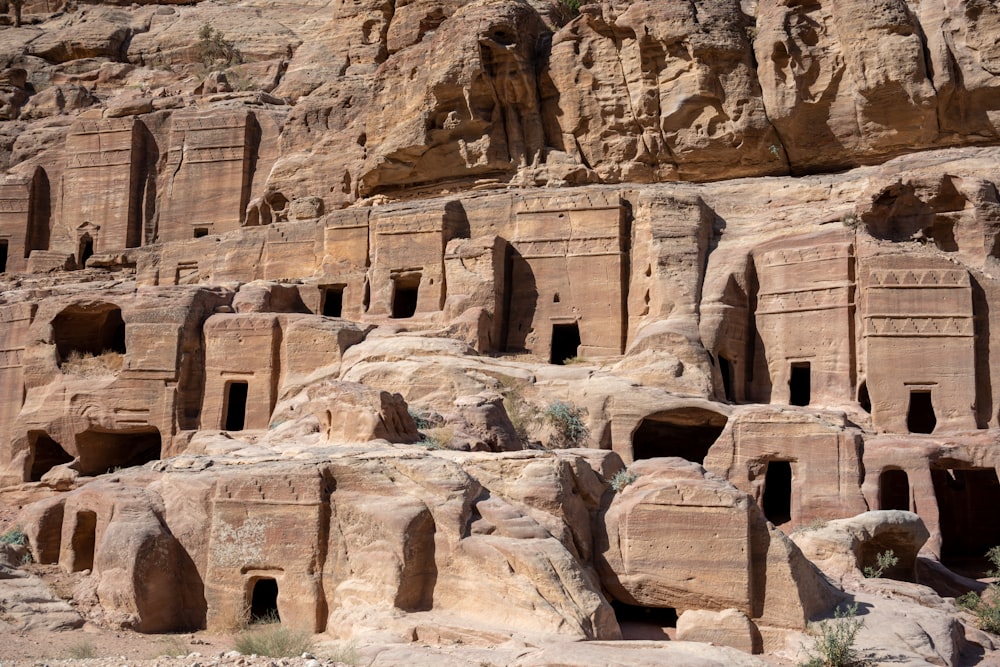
294	298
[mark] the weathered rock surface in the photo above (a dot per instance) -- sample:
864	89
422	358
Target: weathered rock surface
294	294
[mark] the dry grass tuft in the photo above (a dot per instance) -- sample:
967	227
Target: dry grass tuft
87	365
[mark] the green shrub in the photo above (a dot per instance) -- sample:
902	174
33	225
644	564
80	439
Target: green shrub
419	419
572	5
214	49
985	606
883	561
622	478
566	419
271	639
14	536
834	640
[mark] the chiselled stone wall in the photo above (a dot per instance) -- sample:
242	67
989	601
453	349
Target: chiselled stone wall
102	184
918	339
210	166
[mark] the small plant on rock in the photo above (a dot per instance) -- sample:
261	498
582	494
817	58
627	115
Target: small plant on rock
985	606
214	49
567	420
15	536
622	478
834	640
883	561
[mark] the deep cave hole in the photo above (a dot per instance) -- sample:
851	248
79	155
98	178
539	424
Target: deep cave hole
644	623
686	432
264	601
565	342
85	251
236	405
920	416
777	500
970	525
46	454
726	369
3	256
864	400
102	452
405	290
894	490
84	540
333	300
800	384
89	330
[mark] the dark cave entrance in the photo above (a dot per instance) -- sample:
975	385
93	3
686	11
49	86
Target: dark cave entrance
644	623
777	500
686	432
89	330
84	541
864	400
920	416
102	452
800	384
894	490
264	601
333	300
236	405
565	343
46	454
3	256
405	290
970	525
85	250
726	369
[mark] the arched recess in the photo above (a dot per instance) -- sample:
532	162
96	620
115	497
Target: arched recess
46	454
894	490
685	432
90	329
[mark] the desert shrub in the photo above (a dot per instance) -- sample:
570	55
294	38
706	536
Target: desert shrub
521	413
82	651
14	536
833	641
173	646
883	561
214	49
985	606
438	438
622	478
420	419
572	5
270	638
567	420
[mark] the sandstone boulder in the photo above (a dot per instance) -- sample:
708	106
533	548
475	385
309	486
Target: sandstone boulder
844	548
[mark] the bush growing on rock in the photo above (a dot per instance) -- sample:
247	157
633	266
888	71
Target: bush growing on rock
834	640
985	606
567	421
